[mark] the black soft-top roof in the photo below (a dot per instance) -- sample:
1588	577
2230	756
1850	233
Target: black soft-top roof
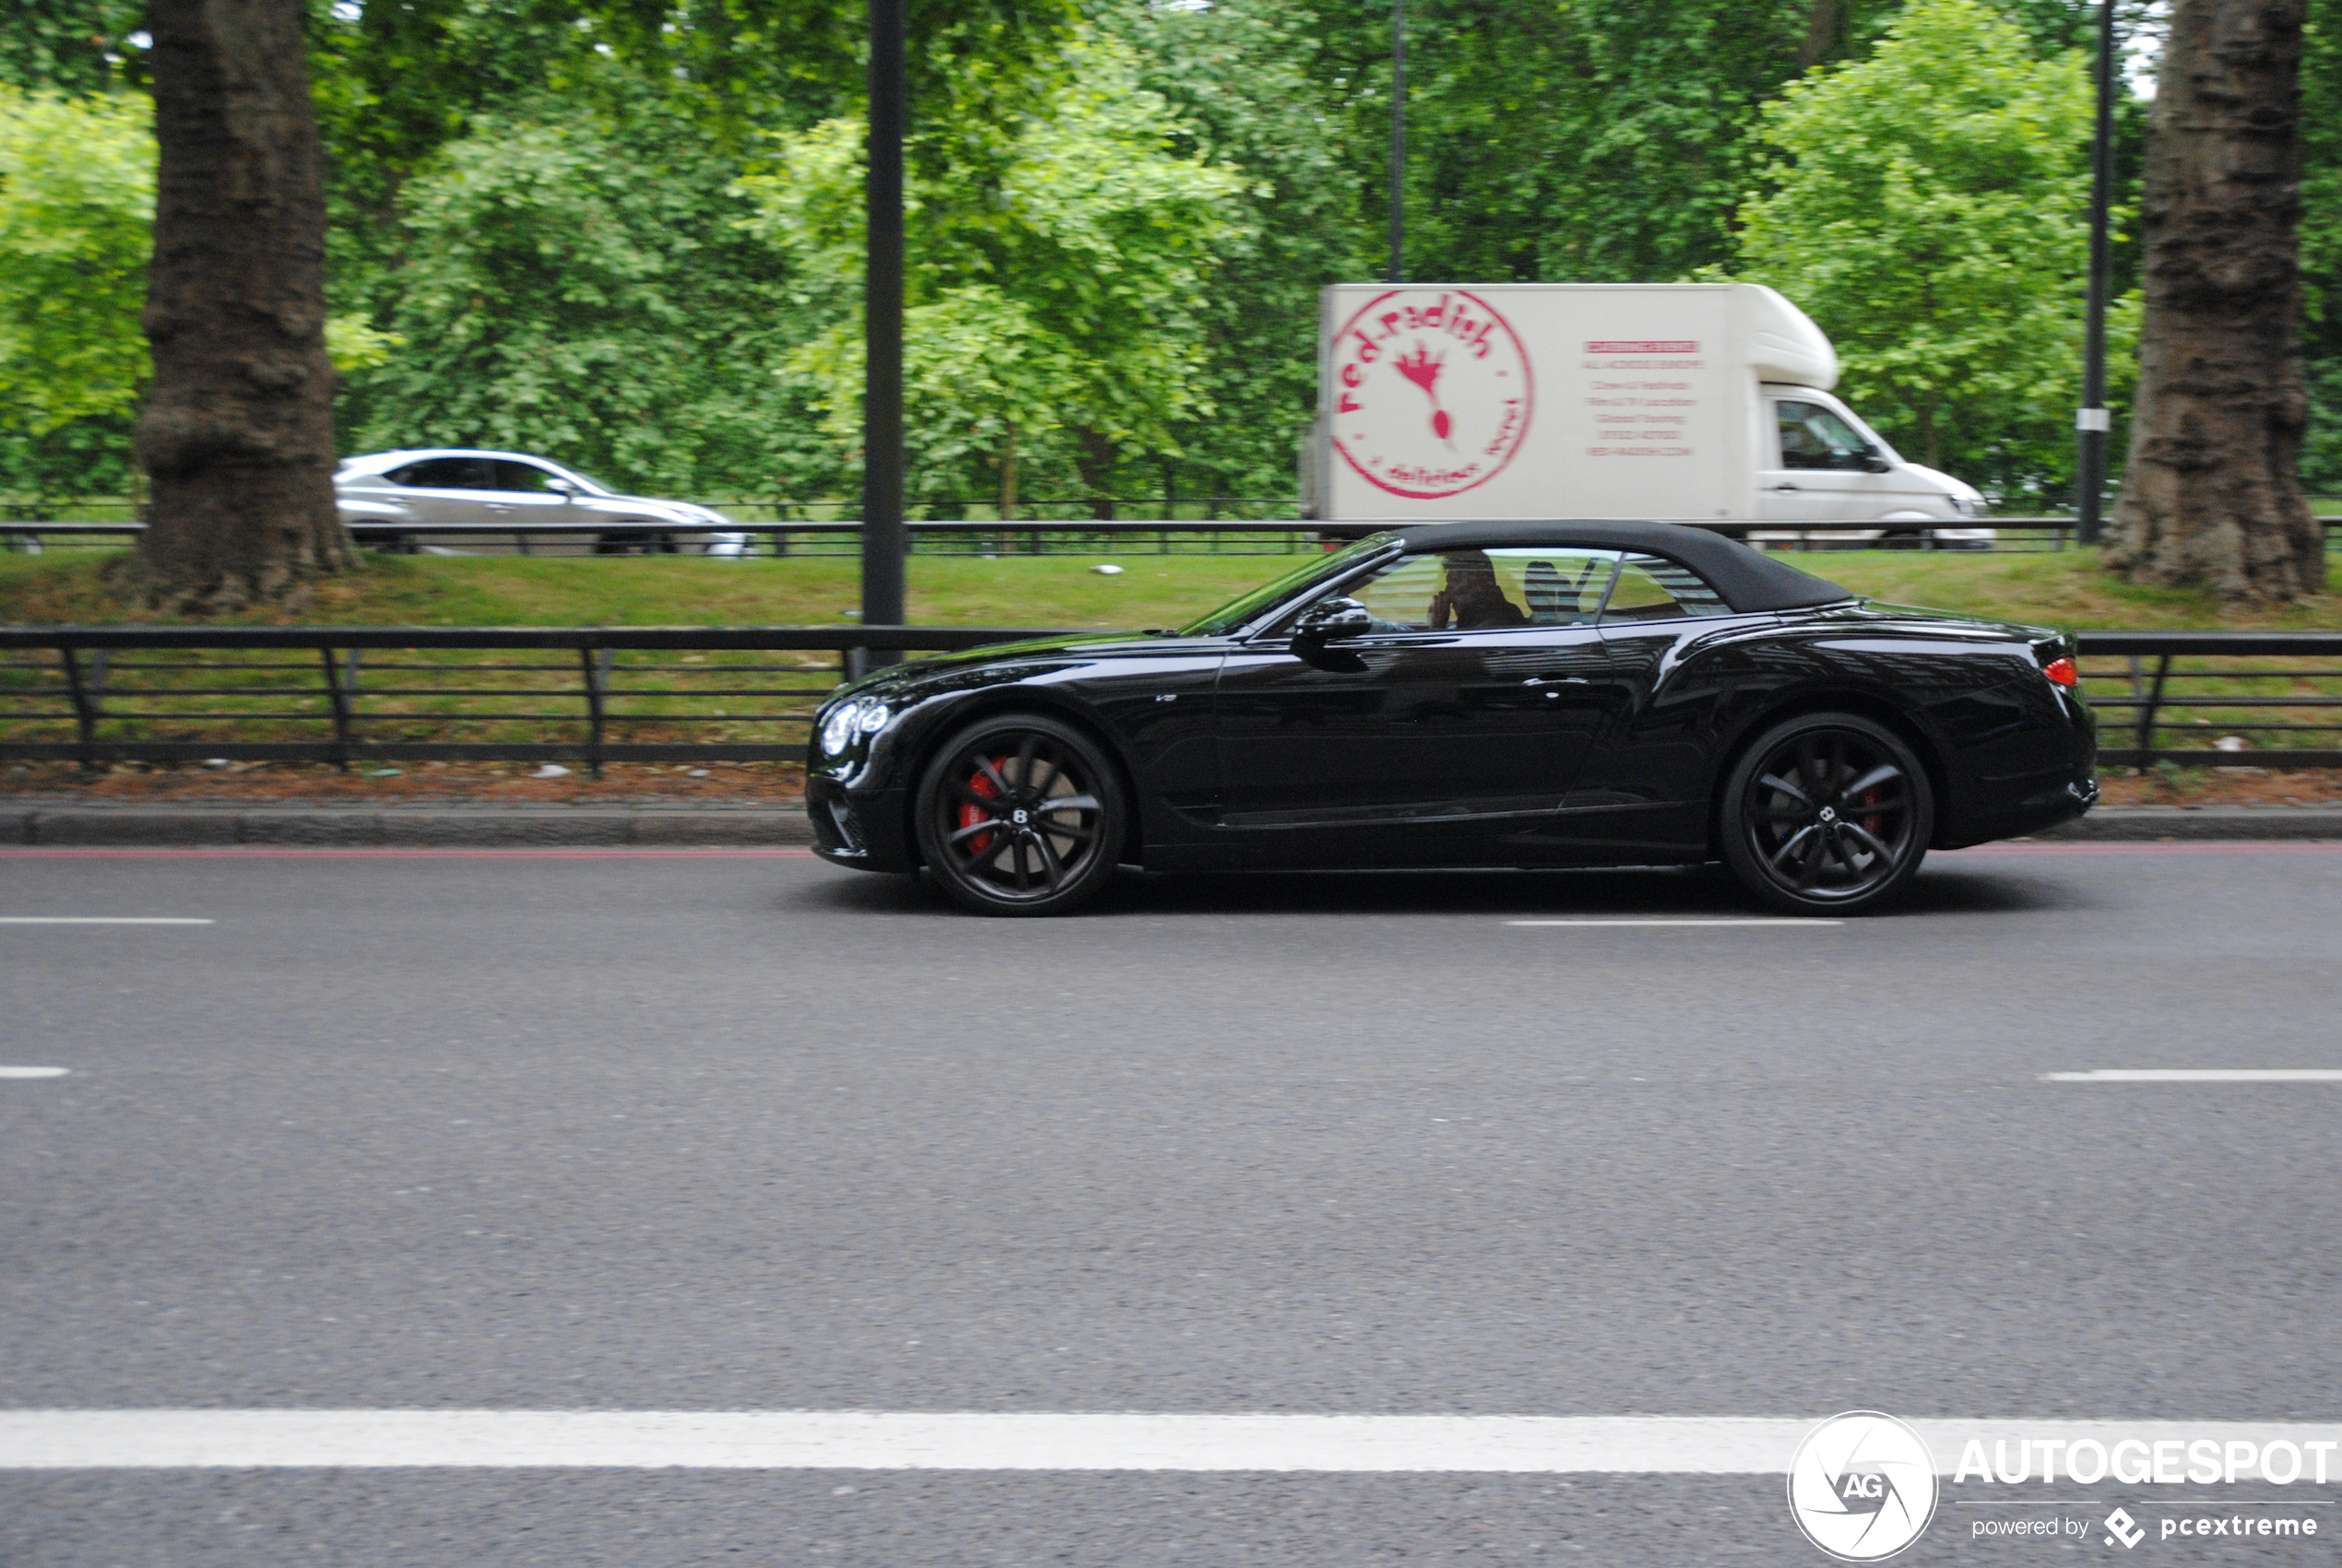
1749	580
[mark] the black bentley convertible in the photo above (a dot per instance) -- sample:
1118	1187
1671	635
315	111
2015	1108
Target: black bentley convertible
1522	694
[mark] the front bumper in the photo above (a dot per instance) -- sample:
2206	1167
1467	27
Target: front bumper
869	832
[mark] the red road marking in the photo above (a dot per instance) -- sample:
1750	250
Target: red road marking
2241	847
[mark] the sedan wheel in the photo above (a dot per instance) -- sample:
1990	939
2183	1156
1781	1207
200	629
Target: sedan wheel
1020	815
1829	812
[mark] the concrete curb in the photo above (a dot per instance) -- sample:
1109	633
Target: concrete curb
617	826
419	827
2152	824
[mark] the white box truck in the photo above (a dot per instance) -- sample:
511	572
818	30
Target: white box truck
1669	401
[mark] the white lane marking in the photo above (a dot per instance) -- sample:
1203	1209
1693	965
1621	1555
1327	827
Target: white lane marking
32	1072
880	1440
1735	920
2199	1075
97	920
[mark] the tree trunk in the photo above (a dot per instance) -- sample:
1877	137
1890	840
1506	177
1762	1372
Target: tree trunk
1094	457
238	440
2212	496
1008	473
1821	32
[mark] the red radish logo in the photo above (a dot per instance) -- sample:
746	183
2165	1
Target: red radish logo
1430	392
1424	370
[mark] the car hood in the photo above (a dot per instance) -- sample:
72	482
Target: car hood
997	661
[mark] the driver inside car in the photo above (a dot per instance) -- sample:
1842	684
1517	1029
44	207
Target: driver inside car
1470	598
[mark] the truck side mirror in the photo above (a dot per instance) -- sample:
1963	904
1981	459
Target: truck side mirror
1873	461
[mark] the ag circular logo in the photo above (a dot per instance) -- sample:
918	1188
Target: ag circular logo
1862	1486
1431	391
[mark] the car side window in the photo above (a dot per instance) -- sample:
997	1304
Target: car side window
523	477
1491	590
1812	437
449	474
1654	588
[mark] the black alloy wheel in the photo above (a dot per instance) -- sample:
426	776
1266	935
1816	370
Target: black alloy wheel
1828	813
1019	815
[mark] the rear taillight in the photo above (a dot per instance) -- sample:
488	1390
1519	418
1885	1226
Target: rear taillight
2063	672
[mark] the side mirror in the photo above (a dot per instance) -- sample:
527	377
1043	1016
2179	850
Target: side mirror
1331	620
1872	463
562	488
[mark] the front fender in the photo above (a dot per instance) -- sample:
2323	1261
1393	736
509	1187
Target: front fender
375	511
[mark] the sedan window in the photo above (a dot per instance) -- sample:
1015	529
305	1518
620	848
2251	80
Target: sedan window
1654	588
449	474
523	477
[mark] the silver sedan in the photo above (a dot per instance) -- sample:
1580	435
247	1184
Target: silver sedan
423	492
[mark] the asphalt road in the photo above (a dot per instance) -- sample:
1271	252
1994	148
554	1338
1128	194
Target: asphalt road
744	1132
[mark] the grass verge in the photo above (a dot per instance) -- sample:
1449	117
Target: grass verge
2064	588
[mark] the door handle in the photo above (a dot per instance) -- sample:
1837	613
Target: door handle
1784	486
1565	680
498	506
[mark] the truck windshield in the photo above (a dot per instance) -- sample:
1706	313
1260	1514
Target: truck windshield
1237	611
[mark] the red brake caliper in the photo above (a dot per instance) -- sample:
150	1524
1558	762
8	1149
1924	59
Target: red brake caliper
970	815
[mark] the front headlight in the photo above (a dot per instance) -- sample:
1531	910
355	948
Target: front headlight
839	729
855	716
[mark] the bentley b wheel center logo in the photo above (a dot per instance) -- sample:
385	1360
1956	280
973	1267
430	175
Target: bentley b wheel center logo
1431	391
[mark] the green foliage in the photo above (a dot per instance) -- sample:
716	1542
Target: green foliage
399	79
1126	211
580	290
70	46
1928	207
77	220
1245	81
2322	243
1051	288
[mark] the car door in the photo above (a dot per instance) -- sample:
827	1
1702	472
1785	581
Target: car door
449	489
523	494
1644	783
1473	698
1821	467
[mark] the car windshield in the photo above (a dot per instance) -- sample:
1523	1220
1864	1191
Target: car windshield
1238	611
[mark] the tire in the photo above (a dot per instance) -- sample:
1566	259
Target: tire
634	541
1827	814
1020	814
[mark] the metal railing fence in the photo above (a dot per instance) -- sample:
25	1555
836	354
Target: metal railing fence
2149	687
347	694
95	694
979	537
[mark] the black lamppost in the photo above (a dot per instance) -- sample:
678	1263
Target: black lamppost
883	536
2093	422
1398	140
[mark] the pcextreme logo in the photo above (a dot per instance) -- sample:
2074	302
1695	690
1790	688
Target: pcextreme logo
1862	1486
